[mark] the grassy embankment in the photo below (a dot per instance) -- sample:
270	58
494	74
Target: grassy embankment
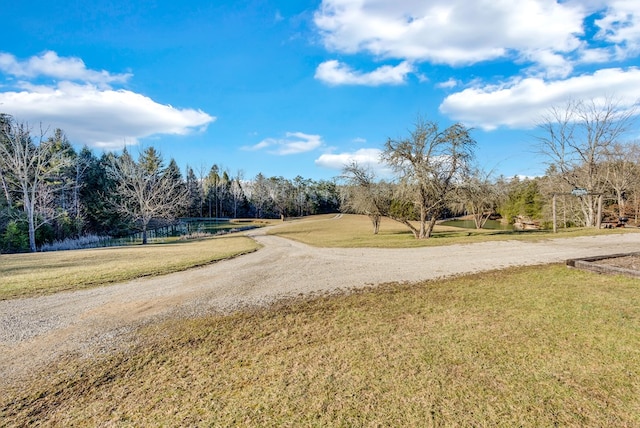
537	346
23	275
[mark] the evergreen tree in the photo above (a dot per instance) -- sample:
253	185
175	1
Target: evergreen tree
194	195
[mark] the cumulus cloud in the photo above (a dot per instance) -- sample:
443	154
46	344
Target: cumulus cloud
336	73
86	106
366	157
292	143
454	32
620	25
49	64
546	38
521	102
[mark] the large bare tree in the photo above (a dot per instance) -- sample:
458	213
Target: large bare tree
363	194
145	190
30	166
577	138
431	163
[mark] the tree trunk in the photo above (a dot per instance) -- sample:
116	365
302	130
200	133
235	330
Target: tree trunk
32	233
144	235
29	209
414	230
5	188
621	207
423	223
586	205
431	225
480	219
375	221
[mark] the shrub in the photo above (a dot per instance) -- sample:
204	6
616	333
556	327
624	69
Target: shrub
89	241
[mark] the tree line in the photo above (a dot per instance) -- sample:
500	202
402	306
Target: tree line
593	174
51	192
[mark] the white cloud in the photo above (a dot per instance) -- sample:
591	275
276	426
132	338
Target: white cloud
49	64
101	118
454	32
368	158
621	25
549	64
451	83
520	103
336	73
85	105
547	38
293	143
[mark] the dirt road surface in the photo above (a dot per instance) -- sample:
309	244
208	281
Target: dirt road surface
34	332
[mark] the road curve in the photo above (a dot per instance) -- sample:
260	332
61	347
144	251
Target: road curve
36	331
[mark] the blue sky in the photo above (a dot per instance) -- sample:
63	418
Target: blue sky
300	87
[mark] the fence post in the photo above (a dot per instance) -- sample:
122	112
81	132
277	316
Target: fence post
555	222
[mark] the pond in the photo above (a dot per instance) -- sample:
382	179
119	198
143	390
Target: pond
470	224
185	227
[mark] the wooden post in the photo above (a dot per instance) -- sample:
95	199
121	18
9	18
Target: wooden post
599	219
555	222
564	212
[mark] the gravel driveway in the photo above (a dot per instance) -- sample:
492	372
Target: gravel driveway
36	331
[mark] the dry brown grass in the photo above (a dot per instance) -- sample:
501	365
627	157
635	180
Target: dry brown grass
33	274
541	346
355	231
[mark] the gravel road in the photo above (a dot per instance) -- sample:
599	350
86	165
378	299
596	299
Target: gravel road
36	331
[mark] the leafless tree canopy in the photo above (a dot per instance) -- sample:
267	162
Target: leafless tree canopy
623	172
363	194
479	196
430	163
145	191
577	140
29	168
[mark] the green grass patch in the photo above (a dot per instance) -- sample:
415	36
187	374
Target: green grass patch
535	346
355	231
23	275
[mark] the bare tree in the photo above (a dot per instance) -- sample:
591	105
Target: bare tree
479	196
430	163
258	192
364	195
237	193
145	191
577	139
623	171
301	196
31	168
280	192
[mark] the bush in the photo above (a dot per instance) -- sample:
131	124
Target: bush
89	241
15	238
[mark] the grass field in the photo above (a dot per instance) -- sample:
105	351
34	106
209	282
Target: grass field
23	275
354	231
537	346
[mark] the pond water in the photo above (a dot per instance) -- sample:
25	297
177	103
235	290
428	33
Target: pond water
183	228
470	224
